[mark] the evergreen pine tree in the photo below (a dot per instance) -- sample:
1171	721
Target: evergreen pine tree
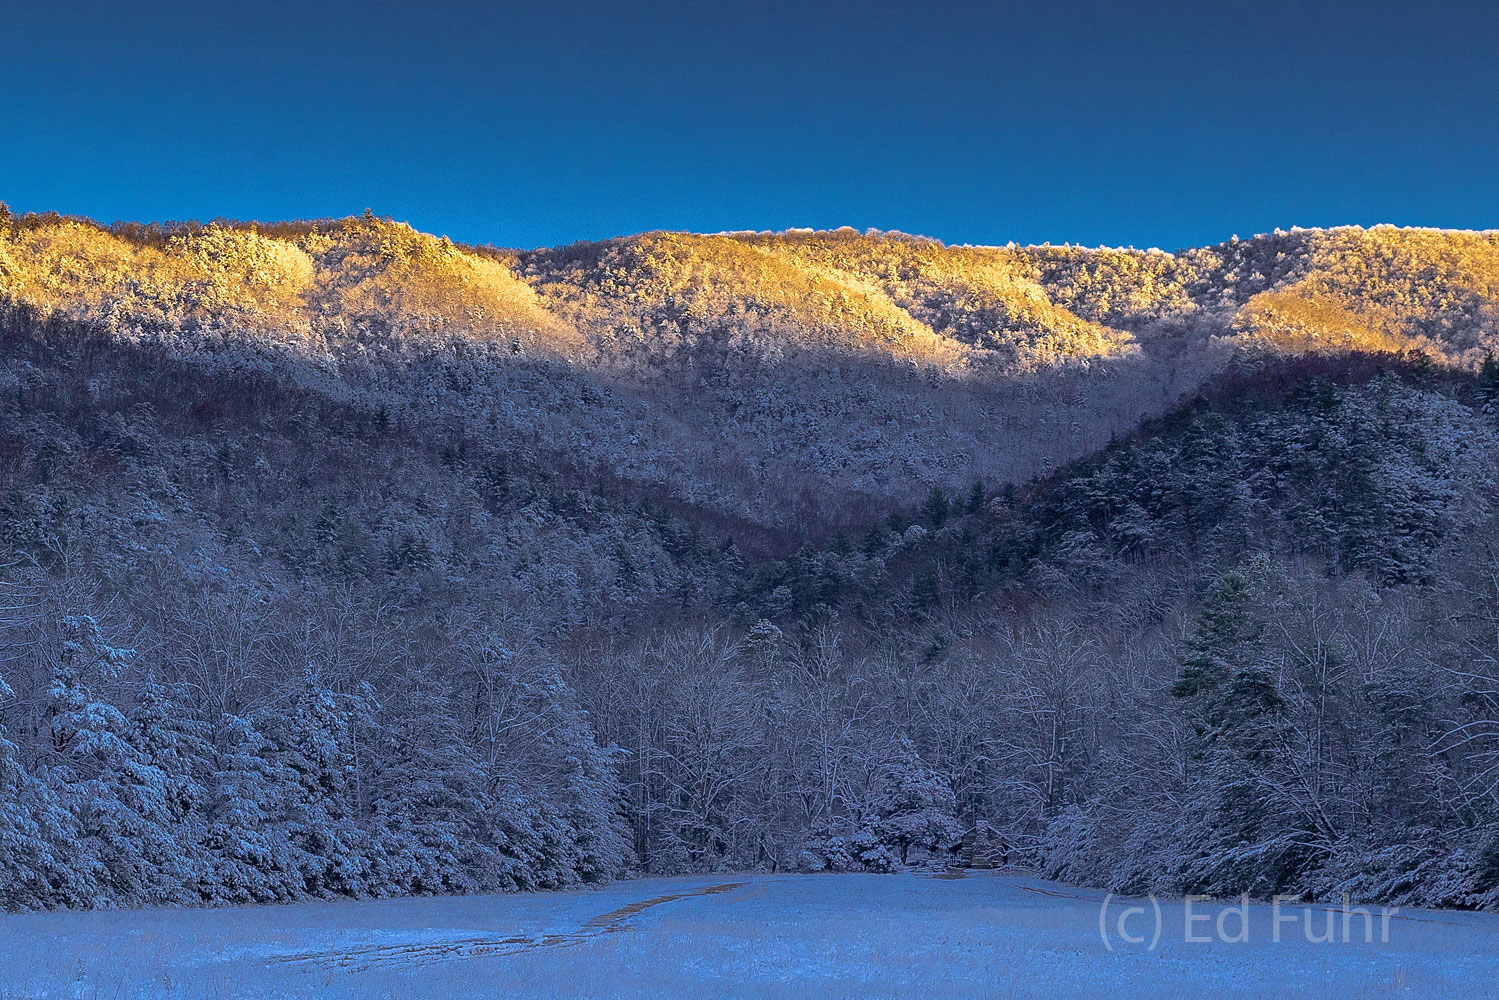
313	745
584	786
25	855
912	805
936	508
118	795
1488	386
976	497
1235	833
430	799
245	829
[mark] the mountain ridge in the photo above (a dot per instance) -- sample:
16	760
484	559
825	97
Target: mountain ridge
340	560
818	361
437	281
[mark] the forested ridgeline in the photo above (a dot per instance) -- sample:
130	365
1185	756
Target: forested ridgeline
792	379
436	595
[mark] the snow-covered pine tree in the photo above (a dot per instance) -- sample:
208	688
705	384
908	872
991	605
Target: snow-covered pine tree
584	786
912	805
1230	699
244	827
25	855
180	747
118	795
429	798
178	744
312	742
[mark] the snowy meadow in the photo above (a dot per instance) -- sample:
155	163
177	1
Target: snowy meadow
823	936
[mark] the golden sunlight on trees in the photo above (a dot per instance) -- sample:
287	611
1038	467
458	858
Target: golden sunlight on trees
668	294
1298	321
642	301
977	295
384	279
306	283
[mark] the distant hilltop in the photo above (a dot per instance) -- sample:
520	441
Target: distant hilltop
660	298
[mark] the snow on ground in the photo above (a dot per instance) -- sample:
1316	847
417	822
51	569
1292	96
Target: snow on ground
749	936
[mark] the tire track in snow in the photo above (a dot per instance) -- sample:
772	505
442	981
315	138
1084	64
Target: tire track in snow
361	959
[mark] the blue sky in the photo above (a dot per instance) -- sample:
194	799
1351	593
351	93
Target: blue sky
1166	124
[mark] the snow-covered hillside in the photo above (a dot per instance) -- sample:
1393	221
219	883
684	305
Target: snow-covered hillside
341	561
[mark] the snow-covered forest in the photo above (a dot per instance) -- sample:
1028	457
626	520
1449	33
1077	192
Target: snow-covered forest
341	560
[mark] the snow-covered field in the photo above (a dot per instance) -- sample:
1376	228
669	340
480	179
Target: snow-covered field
816	936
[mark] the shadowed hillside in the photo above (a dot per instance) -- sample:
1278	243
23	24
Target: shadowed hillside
757	376
763	375
337	559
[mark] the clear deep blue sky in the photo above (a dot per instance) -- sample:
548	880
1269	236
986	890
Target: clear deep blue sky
1165	124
